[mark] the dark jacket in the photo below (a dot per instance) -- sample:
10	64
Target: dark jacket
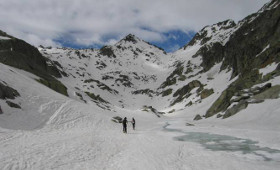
124	122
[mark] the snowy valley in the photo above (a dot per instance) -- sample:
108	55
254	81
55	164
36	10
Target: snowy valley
213	104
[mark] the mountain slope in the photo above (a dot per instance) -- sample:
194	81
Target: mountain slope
221	70
242	50
19	54
129	67
220	62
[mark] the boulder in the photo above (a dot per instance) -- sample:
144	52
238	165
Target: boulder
12	104
7	92
197	117
206	93
117	119
236	108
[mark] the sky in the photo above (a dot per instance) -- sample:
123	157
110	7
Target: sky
169	24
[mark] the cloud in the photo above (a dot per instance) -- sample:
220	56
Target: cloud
98	22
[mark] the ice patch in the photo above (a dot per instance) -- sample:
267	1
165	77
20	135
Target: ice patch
216	142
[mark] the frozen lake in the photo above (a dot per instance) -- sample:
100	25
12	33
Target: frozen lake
216	142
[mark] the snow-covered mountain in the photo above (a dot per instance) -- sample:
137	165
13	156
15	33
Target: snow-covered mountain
212	70
225	80
115	73
135	74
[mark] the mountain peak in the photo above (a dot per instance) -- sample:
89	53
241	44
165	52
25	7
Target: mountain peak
218	32
131	38
270	5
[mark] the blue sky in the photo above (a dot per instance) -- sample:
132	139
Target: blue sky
95	23
175	40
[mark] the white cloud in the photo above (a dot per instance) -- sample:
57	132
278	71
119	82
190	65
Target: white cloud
92	21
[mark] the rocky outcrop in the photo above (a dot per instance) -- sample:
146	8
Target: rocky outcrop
7	92
268	93
236	108
96	98
55	85
17	53
254	45
172	78
197	117
217	32
107	51
12	104
117	119
101	85
148	92
130	38
206	93
153	110
244	51
184	92
166	92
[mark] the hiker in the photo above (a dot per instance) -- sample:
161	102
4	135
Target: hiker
124	123
1	110
133	123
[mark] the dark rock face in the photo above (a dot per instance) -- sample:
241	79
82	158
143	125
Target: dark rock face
124	80
184	92
221	104
249	41
236	108
245	44
206	93
148	92
211	56
130	38
7	92
172	78
117	119
244	53
202	35
17	53
268	93
166	92
155	111
107	51
55	85
14	105
102	86
197	117
96	98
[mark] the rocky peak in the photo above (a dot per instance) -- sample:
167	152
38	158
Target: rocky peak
133	42
270	5
225	24
267	7
218	32
4	34
131	38
128	41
